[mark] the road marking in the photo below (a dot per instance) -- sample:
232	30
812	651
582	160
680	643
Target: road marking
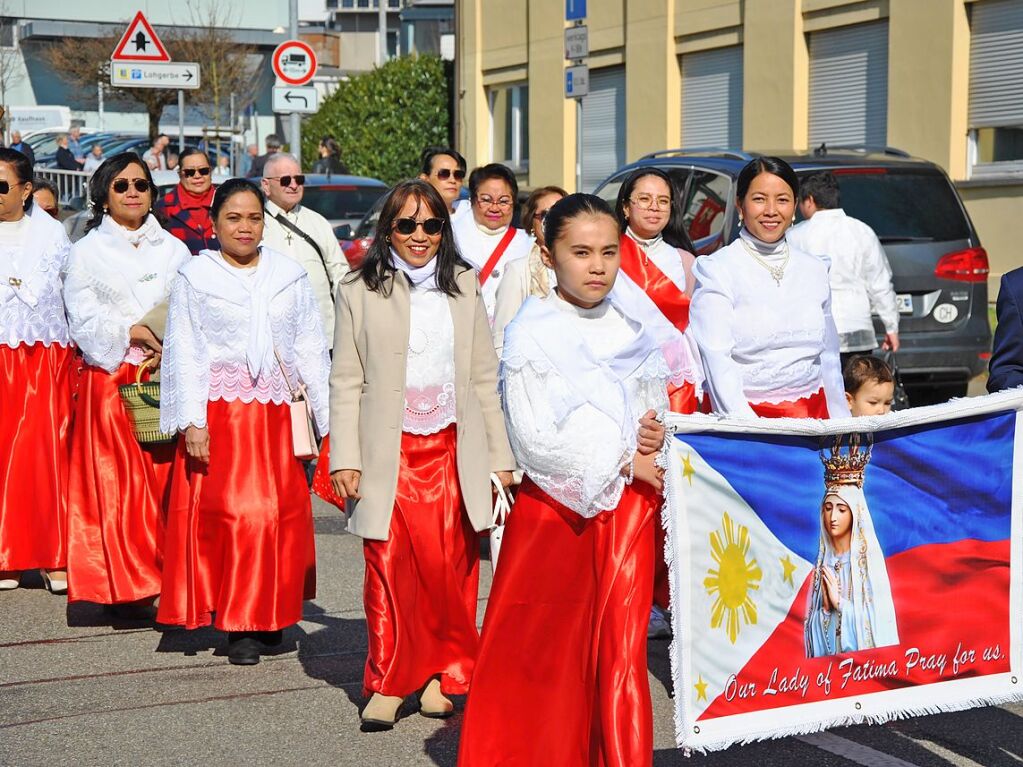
853	751
953	757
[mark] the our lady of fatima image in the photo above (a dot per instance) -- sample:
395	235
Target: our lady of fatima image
850	605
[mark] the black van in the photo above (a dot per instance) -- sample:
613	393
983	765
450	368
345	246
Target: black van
939	268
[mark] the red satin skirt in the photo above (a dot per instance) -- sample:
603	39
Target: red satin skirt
117	497
561	677
35	417
813	406
239	529
422	583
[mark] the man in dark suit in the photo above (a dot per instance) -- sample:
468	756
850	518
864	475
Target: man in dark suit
1005	371
273	145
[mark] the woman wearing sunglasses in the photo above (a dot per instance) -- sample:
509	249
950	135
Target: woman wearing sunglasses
36	363
243	332
527	276
444	169
418	430
118	279
185	209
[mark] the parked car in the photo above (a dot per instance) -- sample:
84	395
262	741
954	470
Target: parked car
939	267
342	200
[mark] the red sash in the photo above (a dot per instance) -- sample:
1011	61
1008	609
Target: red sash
673	303
502	246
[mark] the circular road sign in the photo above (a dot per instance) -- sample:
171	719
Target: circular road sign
294	62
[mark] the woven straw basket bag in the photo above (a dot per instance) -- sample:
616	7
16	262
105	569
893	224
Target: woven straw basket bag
142	401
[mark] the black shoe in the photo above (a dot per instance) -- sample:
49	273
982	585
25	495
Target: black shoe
131	611
270	638
242	649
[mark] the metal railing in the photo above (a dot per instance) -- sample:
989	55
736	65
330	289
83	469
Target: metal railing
69	183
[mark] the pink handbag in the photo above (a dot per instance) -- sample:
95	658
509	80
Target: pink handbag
304	440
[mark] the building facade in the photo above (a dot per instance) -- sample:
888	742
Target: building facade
940	79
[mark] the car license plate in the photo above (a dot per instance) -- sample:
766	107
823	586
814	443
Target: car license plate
905	302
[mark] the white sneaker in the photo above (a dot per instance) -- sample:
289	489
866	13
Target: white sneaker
659	626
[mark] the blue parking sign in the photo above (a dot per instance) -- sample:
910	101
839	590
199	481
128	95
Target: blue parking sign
575	10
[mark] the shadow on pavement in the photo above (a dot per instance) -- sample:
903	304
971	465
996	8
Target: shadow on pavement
336	653
658	662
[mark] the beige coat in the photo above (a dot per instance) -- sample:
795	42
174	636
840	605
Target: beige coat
367	399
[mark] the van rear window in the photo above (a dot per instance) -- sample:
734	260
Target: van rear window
903	204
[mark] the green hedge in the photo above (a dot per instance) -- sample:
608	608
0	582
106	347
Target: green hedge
384	118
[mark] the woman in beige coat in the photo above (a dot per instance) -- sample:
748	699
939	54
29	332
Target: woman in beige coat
417	430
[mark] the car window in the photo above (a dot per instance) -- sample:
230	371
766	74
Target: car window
704	214
903	204
369	223
342	201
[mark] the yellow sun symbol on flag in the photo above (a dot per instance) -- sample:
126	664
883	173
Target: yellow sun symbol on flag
734	578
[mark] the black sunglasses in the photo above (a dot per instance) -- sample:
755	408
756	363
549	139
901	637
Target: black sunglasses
121	185
299	179
431	226
446	173
5	187
189	172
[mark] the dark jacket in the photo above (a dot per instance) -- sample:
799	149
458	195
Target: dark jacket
330	164
67	161
256	171
1005	371
25	149
188	218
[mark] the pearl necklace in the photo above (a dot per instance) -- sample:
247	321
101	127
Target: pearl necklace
776	272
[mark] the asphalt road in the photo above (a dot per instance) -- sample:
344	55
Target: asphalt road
76	690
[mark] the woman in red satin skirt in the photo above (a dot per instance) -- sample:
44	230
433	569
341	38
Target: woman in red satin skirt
115	291
35	383
415	411
242	334
561	676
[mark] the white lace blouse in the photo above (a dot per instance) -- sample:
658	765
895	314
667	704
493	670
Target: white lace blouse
762	340
33	256
223	325
111	284
430	369
574	384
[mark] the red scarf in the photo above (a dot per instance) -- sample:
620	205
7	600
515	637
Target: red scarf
673	303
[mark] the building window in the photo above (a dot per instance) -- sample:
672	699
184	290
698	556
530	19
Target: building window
509	126
8	33
996	88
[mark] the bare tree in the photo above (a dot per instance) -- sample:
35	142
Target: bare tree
225	66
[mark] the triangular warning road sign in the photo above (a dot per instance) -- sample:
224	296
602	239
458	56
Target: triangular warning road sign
140	43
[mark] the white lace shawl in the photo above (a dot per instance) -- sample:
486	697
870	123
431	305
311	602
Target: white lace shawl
572	418
207	346
110	285
31	304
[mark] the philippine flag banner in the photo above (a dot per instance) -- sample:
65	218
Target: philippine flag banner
827	573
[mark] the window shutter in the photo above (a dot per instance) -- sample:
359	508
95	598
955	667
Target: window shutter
712	98
603	140
996	64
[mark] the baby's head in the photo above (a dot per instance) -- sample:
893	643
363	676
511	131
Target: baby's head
869	385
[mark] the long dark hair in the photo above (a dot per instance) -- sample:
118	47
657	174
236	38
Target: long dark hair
674	232
99	184
773	165
568	208
22	169
378	266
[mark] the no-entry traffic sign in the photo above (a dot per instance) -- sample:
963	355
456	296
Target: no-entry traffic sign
294	62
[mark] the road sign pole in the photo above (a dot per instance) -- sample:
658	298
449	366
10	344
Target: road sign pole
296	118
181	123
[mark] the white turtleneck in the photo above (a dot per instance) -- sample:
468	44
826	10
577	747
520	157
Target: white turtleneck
604	329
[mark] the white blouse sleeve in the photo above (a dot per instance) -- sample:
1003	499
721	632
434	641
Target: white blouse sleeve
311	357
98	331
831	365
877	275
710	319
574	454
185	372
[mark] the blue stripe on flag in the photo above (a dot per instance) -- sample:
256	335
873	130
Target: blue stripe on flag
925	484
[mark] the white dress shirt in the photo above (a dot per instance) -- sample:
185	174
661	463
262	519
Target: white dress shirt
861	278
324	273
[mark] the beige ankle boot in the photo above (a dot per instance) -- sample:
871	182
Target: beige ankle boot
432	702
380	713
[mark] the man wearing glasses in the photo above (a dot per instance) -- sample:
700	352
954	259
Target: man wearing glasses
486	239
186	207
302	234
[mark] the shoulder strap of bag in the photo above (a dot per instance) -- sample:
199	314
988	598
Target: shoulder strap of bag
297	393
312	243
502	246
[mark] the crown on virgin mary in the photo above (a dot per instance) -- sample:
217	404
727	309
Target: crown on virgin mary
846	468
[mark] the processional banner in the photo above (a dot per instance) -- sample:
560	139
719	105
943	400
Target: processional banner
826	573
